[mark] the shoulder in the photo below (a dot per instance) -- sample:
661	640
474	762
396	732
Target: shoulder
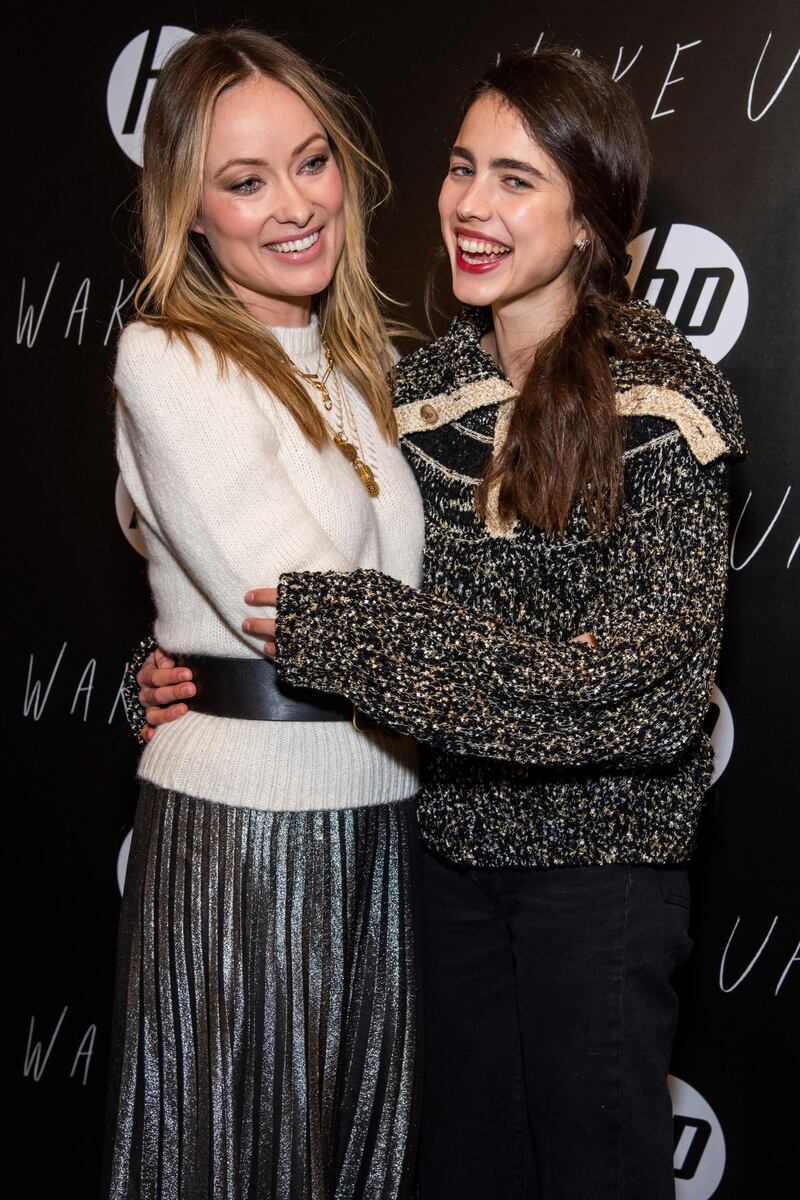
668	378
450	362
151	358
420	374
152	345
448	378
141	342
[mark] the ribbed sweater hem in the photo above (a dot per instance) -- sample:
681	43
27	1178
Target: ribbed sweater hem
281	766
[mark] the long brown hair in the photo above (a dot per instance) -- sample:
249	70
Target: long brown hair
564	442
183	289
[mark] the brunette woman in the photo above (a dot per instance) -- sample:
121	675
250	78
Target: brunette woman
572	452
571	449
265	1028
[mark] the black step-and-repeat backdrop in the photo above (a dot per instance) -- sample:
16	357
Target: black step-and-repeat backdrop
719	84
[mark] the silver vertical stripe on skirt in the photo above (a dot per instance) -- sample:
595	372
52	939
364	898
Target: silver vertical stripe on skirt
265	1028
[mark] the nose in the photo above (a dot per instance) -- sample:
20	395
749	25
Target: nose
474	203
292	206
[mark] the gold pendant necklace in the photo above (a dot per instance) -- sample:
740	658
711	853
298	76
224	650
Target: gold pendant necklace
363	471
351	452
320	383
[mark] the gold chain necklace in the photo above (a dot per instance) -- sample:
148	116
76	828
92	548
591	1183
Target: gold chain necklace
353	453
320	383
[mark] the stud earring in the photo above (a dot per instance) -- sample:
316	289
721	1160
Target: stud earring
582	244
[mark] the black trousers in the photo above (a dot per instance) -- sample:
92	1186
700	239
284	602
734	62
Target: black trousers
549	1020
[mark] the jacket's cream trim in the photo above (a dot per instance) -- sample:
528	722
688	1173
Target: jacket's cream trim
672	436
434	462
643	400
473	433
647	400
497	526
451	406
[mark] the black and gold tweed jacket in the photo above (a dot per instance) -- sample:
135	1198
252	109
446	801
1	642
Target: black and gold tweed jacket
542	751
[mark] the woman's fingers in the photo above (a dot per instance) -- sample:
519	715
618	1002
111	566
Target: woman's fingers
150	696
169	677
260	627
164	686
587	638
262	596
162	716
159	670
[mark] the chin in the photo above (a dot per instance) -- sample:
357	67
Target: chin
308	282
478	293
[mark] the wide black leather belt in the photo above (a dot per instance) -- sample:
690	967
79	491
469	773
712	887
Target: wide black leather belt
248	689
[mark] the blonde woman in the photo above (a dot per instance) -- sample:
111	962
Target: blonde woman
265	1028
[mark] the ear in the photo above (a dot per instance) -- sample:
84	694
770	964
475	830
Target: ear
198	227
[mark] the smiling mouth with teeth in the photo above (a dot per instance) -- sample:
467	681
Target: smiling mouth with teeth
296	246
478	252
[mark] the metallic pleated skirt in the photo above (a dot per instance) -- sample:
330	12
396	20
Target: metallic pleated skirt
266	1027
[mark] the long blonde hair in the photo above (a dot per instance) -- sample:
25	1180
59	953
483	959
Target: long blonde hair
183	289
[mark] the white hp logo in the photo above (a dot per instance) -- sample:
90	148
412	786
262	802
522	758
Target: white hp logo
131	83
721	732
697	282
699	1144
128	518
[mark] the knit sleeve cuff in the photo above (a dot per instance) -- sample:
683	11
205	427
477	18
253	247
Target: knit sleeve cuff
134	712
309	633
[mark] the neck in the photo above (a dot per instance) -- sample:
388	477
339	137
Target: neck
282	312
520	327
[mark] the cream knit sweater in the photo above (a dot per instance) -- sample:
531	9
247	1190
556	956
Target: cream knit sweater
230	494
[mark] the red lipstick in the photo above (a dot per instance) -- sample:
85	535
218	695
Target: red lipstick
489	263
477	268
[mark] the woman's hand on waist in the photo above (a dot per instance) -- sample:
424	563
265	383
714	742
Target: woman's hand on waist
162	689
262	626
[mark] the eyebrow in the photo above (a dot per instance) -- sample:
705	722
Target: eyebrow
240	162
500	164
304	145
262	162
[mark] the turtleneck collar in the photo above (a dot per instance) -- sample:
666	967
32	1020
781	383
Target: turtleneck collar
300	341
